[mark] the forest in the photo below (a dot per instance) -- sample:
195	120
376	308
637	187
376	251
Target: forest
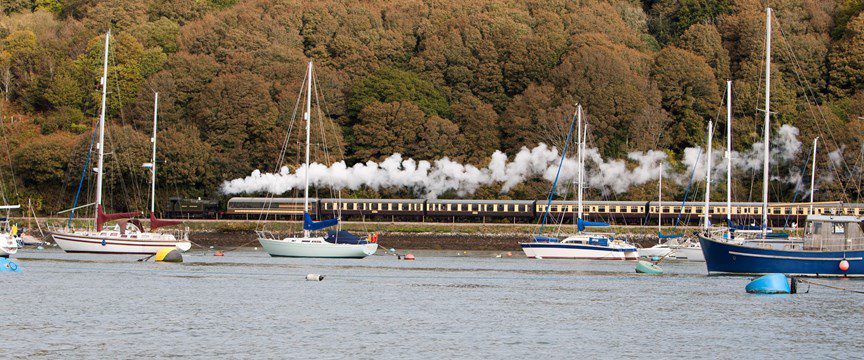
424	78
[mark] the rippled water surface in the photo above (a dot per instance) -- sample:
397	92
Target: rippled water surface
443	305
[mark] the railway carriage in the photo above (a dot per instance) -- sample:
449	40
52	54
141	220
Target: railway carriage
516	211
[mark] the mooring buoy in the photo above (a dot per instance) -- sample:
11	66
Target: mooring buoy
168	254
314	277
769	284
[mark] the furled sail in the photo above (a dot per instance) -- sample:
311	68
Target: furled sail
102	217
308	224
582	224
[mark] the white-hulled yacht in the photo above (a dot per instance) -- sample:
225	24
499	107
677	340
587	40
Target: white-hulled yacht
583	245
335	244
126	237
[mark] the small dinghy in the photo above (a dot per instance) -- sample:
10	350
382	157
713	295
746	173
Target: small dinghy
647	267
769	284
7	265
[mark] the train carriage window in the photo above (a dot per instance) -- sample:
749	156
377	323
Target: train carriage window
641	209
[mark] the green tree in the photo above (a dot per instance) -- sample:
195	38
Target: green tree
690	93
479	124
235	114
847	60
390	84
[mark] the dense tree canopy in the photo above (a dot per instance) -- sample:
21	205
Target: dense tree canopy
427	79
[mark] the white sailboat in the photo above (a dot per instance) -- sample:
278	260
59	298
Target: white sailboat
337	244
125	237
582	245
8	235
688	249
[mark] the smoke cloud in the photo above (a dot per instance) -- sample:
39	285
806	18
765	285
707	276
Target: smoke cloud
433	178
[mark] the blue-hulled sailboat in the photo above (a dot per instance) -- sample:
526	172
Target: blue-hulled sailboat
833	245
336	243
583	245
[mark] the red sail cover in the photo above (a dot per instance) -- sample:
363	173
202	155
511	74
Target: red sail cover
102	217
156	223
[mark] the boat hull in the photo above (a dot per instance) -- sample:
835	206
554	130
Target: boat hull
95	244
726	258
535	250
287	248
8	245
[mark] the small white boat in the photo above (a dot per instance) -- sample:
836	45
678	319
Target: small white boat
587	246
8	235
8	245
671	249
336	244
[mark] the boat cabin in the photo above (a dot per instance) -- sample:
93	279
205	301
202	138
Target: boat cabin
834	232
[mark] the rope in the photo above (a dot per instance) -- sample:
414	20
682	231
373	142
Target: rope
555	183
83	175
830	286
686	193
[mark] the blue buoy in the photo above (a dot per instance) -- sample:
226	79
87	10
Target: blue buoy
7	265
769	284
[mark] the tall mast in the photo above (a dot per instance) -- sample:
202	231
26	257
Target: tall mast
708	177
660	201
153	158
728	151
100	146
813	175
767	139
579	154
307	116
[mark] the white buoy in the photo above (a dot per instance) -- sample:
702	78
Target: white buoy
314	277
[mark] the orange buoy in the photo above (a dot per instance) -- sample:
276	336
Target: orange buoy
219	253
509	254
409	256
844	265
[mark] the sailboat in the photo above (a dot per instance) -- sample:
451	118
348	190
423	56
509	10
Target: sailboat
669	246
583	245
336	243
126	237
8	234
832	246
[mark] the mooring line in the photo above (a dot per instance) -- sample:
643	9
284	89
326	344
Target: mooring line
830	286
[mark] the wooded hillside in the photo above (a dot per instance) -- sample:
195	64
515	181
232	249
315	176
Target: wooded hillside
427	79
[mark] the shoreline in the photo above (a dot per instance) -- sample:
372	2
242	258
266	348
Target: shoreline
226	234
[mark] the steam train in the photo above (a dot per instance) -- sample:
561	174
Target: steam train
515	211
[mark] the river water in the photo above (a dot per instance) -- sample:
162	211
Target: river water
442	305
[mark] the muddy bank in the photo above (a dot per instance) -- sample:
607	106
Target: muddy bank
419	241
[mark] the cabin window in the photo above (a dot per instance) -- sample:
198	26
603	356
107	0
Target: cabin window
839	228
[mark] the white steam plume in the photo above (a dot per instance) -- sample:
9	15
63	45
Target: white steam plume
431	179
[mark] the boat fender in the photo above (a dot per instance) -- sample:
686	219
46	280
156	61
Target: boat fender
314	277
844	265
168	254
